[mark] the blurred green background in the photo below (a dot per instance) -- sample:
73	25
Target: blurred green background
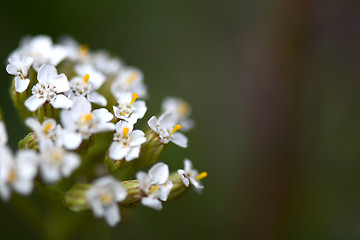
274	87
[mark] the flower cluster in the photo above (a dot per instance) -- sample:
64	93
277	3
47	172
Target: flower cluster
82	108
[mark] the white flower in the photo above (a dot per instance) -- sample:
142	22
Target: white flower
129	109
129	80
17	173
19	66
155	185
55	162
42	50
167	129
48	88
103	197
127	142
103	62
74	50
80	122
87	84
46	131
3	134
181	109
190	175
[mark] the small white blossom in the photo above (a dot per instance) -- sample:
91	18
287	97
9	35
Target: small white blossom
129	79
19	66
181	109
80	122
86	83
75	51
17	173
155	185
189	175
56	162
103	197
46	131
129	109
167	129
127	142
103	62
3	134
42	50
48	89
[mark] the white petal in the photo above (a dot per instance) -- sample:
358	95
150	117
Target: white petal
187	165
33	124
71	140
27	163
97	98
196	183
104	127
117	152
50	174
46	73
103	115
21	84
140	108
138	137
184	179
179	139
80	106
71	162
168	119
151	202
3	134
122	124
33	103
152	123
159	173
112	215
12	69
133	153
23	187
5	192
62	102
144	180
165	190
61	83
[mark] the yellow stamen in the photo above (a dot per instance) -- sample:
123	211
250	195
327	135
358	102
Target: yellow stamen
154	188
83	50
86	118
132	78
201	176
106	198
47	127
183	108
12	176
176	128
134	97
86	78
125	131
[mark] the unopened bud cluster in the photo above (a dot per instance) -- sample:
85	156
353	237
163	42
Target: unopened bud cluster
82	108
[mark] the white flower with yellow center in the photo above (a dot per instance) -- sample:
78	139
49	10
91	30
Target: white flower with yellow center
181	109
48	90
127	142
129	109
80	122
46	131
42	50
167	129
104	196
155	185
56	162
105	63
17	173
19	66
86	83
128	80
189	175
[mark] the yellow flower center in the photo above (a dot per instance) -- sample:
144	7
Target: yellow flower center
183	108
134	97
83	50
154	188
106	198
201	176
86	118
125	131
47	127
86	78
12	176
176	128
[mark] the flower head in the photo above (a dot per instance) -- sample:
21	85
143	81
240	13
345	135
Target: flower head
130	109
103	197
189	175
80	122
167	129
155	185
55	162
48	90
129	80
19	66
181	110
17	172
127	142
46	131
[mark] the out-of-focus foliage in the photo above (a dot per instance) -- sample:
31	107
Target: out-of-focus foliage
274	87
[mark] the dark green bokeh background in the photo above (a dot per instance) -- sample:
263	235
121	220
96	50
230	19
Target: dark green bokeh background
275	92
